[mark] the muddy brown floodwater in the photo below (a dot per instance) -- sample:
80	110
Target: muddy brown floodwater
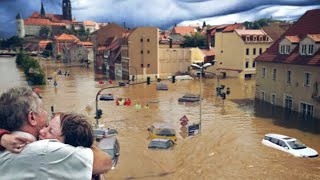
229	146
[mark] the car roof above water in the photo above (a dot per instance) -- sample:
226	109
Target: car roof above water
280	136
106	143
162	125
161	140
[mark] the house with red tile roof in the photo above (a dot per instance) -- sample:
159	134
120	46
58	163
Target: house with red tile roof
184	30
288	73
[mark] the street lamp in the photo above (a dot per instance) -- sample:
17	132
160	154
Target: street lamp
201	71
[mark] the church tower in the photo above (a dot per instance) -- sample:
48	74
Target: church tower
42	12
20	26
66	10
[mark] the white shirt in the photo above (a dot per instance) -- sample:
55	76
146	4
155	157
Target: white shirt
47	159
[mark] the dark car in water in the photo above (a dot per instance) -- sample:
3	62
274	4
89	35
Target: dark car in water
161	144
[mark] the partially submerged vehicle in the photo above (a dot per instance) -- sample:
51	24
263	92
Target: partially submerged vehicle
106	97
162	131
100	133
111	146
161	144
189	98
289	145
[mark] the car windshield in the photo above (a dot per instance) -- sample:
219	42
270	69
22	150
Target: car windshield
98	132
158	144
166	132
296	144
110	152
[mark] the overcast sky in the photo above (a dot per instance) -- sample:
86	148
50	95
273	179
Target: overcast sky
160	13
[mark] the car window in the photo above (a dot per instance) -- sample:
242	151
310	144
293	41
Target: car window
282	143
296	144
110	152
166	132
267	138
275	141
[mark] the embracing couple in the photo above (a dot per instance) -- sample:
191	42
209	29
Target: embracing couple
32	148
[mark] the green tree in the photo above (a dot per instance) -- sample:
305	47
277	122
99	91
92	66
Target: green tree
195	40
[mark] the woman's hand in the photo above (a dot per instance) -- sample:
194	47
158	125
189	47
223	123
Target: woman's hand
14	142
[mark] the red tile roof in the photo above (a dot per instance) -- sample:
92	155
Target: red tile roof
293	39
307	24
208	52
43	43
315	37
85	43
41	22
67	37
232	27
183	30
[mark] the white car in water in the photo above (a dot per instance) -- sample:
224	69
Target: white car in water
289	145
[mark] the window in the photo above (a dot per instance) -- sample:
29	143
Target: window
289	76
148	40
247	51
260	38
274	74
142	65
141	51
288	102
247	64
306	110
273	99
247	38
141	40
264	70
282	48
260	50
310	49
307	77
287	49
303	49
254	38
254	51
263	94
254	64
148	52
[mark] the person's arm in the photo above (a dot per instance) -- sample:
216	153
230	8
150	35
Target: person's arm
13	142
102	162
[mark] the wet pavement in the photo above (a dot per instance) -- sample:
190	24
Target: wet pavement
229	146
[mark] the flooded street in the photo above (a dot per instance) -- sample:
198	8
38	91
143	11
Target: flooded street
229	146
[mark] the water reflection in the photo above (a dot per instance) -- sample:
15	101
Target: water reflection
286	118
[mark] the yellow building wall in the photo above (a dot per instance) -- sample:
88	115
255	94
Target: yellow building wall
231	54
196	55
143	51
174	60
296	88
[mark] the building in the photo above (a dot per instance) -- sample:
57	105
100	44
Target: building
288	73
236	49
54	23
71	50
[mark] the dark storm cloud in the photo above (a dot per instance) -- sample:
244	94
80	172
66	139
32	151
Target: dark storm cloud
160	13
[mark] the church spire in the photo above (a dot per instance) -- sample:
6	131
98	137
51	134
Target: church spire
18	16
66	10
42	12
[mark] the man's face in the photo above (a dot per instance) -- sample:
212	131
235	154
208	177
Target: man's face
41	115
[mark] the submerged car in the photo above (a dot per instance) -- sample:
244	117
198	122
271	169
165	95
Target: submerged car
111	146
100	133
162	131
106	97
189	98
161	144
289	145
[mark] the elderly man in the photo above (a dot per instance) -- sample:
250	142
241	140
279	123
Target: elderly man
22	112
